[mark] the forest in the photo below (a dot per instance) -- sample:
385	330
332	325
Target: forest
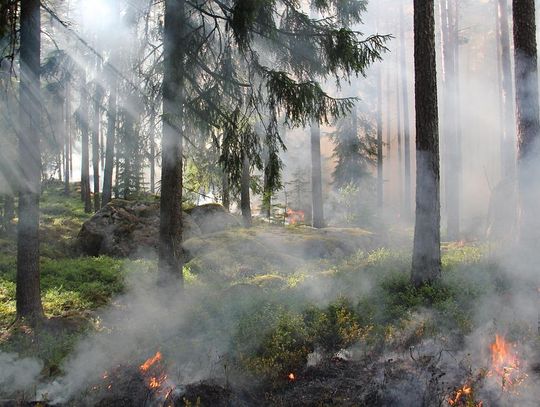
269	203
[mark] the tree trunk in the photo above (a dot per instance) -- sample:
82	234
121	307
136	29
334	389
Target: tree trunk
28	291
450	131
426	262
171	260
109	149
67	140
316	177
267	192
399	142
380	177
95	143
508	154
245	204
152	142
528	122
225	195
406	120
85	154
388	117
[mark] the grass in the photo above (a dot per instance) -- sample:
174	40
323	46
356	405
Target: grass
68	285
275	311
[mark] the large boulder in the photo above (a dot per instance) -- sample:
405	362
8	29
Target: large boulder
130	228
212	218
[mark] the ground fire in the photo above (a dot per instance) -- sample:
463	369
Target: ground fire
505	364
295	217
156	378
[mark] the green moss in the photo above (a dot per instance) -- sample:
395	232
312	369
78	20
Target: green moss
68	285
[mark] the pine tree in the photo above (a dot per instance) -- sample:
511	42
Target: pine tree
28	291
528	121
426	262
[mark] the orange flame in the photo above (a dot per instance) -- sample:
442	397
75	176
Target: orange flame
150	362
505	363
295	217
464	397
155	376
292	377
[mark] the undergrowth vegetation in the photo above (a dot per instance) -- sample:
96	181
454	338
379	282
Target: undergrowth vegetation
273	319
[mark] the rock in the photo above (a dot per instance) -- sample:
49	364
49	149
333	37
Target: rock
130	229
213	218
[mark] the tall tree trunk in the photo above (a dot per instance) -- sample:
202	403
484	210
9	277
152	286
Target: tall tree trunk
171	260
457	96
450	131
528	121
95	143
109	149
406	120
380	177
426	262
28	290
85	151
225	194
152	150
67	136
245	200
388	117
508	154
267	190
399	141
316	177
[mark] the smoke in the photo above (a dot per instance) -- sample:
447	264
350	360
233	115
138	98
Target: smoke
19	375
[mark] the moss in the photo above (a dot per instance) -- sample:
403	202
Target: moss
270	281
68	285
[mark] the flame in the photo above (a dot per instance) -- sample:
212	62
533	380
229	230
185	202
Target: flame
295	217
150	362
464	396
506	364
155	376
292	377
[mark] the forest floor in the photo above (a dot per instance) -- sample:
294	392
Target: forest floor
273	316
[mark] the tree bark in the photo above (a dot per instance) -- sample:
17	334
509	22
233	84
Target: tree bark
171	260
67	136
316	178
450	117
399	138
225	194
380	176
109	149
95	143
388	117
508	154
28	290
85	151
267	192
406	120
152	142
245	204
528	121
426	262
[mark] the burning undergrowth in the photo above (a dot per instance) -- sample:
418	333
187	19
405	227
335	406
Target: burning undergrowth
356	333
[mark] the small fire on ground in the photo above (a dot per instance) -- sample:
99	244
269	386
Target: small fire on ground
506	368
295	217
155	376
506	365
464	396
